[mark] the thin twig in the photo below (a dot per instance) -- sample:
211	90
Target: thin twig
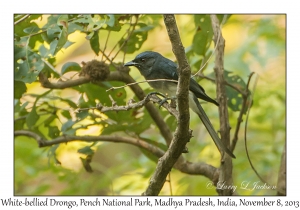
226	83
106	41
245	136
121	37
134	83
21	19
128	37
245	95
170	184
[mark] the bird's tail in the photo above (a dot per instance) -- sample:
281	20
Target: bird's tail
211	130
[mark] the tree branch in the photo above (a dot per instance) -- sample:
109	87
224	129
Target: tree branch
182	133
21	19
122	77
135	105
226	163
183	166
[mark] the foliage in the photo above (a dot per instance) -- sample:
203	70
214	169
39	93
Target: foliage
41	42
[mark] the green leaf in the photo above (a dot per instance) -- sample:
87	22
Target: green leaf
70	66
28	64
44	52
62	20
32	118
19	124
68	44
19	89
86	150
74	27
134	43
52	154
90	35
203	37
19	28
50	119
144	28
21	109
63	38
53	131
69	102
53	33
84	19
235	99
67	125
50	72
111	21
66	114
82	103
95	44
32	29
82	114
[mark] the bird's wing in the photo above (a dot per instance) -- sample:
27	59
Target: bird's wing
169	70
200	92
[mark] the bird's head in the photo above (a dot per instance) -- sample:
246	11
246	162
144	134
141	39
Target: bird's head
144	62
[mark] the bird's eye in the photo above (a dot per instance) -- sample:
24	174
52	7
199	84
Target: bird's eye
143	60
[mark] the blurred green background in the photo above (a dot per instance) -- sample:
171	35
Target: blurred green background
254	43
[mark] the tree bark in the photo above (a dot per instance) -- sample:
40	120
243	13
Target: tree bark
226	162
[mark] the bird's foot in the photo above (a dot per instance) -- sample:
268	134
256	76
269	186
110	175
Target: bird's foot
155	93
164	100
172	103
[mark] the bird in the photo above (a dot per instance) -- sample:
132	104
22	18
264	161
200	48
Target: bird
152	65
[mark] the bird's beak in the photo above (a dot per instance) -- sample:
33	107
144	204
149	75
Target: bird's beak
130	63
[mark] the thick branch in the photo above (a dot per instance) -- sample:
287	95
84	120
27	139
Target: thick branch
184	166
62	84
226	164
182	134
